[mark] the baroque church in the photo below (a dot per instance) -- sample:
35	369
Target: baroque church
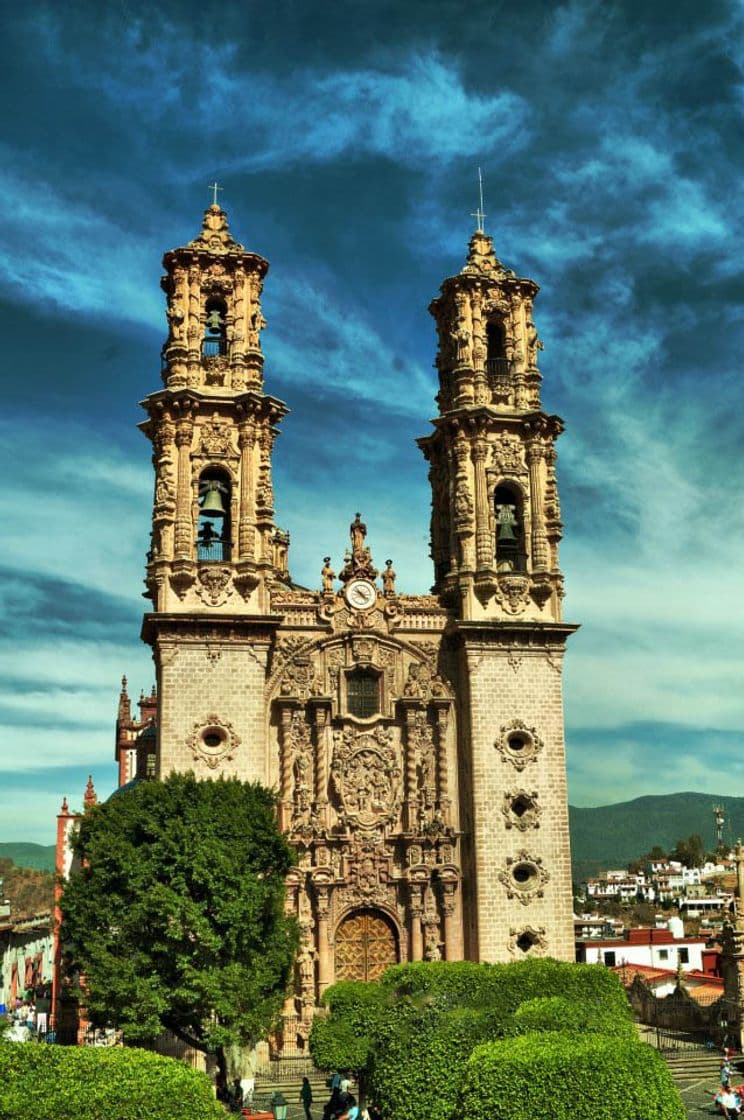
415	741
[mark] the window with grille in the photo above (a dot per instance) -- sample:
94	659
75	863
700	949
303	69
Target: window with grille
363	693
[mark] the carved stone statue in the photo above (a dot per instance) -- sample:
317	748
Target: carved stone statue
327	574
388	579
357	531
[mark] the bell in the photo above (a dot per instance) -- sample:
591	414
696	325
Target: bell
214	321
506	523
212	505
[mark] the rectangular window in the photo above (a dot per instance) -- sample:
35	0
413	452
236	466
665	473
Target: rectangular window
363	693
663	954
609	958
684	956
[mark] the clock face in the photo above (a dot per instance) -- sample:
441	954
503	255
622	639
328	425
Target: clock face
360	593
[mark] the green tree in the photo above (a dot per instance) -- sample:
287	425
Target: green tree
690	852
176	918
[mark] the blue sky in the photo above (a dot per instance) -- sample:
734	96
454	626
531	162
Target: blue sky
347	137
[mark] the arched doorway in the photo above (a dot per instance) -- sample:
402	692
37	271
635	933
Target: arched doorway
366	944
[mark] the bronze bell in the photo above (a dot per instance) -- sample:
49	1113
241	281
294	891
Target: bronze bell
212	505
506	523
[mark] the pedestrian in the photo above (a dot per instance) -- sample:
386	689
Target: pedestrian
725	1072
306	1096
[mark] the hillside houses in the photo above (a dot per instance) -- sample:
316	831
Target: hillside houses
664	881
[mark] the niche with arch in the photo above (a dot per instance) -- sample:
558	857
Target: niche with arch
214	535
214	342
511	554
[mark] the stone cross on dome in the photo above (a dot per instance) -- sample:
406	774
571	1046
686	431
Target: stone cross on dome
214	187
479	214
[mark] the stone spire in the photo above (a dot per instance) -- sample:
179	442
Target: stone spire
215	236
89	797
124	714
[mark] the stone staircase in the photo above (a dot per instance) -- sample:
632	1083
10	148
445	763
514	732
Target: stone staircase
289	1087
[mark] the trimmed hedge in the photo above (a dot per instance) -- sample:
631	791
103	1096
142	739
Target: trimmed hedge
91	1083
567	1077
420	1056
554	1013
344	1039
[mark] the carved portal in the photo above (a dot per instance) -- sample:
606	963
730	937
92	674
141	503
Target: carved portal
366	944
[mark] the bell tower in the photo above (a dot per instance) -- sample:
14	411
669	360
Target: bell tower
216	552
495	529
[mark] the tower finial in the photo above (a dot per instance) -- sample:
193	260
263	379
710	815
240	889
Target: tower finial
214	187
480	213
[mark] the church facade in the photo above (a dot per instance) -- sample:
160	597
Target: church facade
415	741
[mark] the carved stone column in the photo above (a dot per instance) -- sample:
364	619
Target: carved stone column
539	538
287	706
321	715
416	912
453	947
410	707
325	956
246	530
444	801
483	550
184	543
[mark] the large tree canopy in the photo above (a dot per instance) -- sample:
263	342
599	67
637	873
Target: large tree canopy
176	918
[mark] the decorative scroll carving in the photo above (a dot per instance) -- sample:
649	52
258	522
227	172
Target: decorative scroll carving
512	592
300	679
521	809
421	743
213	741
423	682
365	772
215	438
368	872
528	941
213	585
524	877
518	743
508	454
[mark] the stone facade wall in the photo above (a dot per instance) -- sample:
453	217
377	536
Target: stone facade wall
213	686
508	688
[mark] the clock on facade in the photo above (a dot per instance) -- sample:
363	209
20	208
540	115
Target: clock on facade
360	594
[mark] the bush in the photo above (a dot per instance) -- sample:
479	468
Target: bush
568	1078
344	1039
420	1056
435	1013
554	1013
90	1083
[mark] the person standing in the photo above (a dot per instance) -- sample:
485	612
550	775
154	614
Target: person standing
306	1096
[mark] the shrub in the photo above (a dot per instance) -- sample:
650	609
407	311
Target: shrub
568	1078
90	1083
554	1013
420	1056
343	1040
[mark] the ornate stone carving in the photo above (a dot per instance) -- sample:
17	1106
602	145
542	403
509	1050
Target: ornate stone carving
521	809
365	772
507	454
213	741
524	877
518	744
215	438
423	682
358	562
300	679
214	585
512	592
368	871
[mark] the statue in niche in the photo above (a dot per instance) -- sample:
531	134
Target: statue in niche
176	316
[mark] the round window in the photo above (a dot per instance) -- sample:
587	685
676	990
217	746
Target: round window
524	874
213	738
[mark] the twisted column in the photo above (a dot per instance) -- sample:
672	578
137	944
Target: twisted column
184	543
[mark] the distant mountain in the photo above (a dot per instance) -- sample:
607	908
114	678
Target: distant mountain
613	835
605	836
40	857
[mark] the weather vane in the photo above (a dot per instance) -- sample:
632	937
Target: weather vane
480	213
215	187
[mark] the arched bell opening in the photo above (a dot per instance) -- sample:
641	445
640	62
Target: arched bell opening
496	359
214	342
366	943
215	531
510	548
